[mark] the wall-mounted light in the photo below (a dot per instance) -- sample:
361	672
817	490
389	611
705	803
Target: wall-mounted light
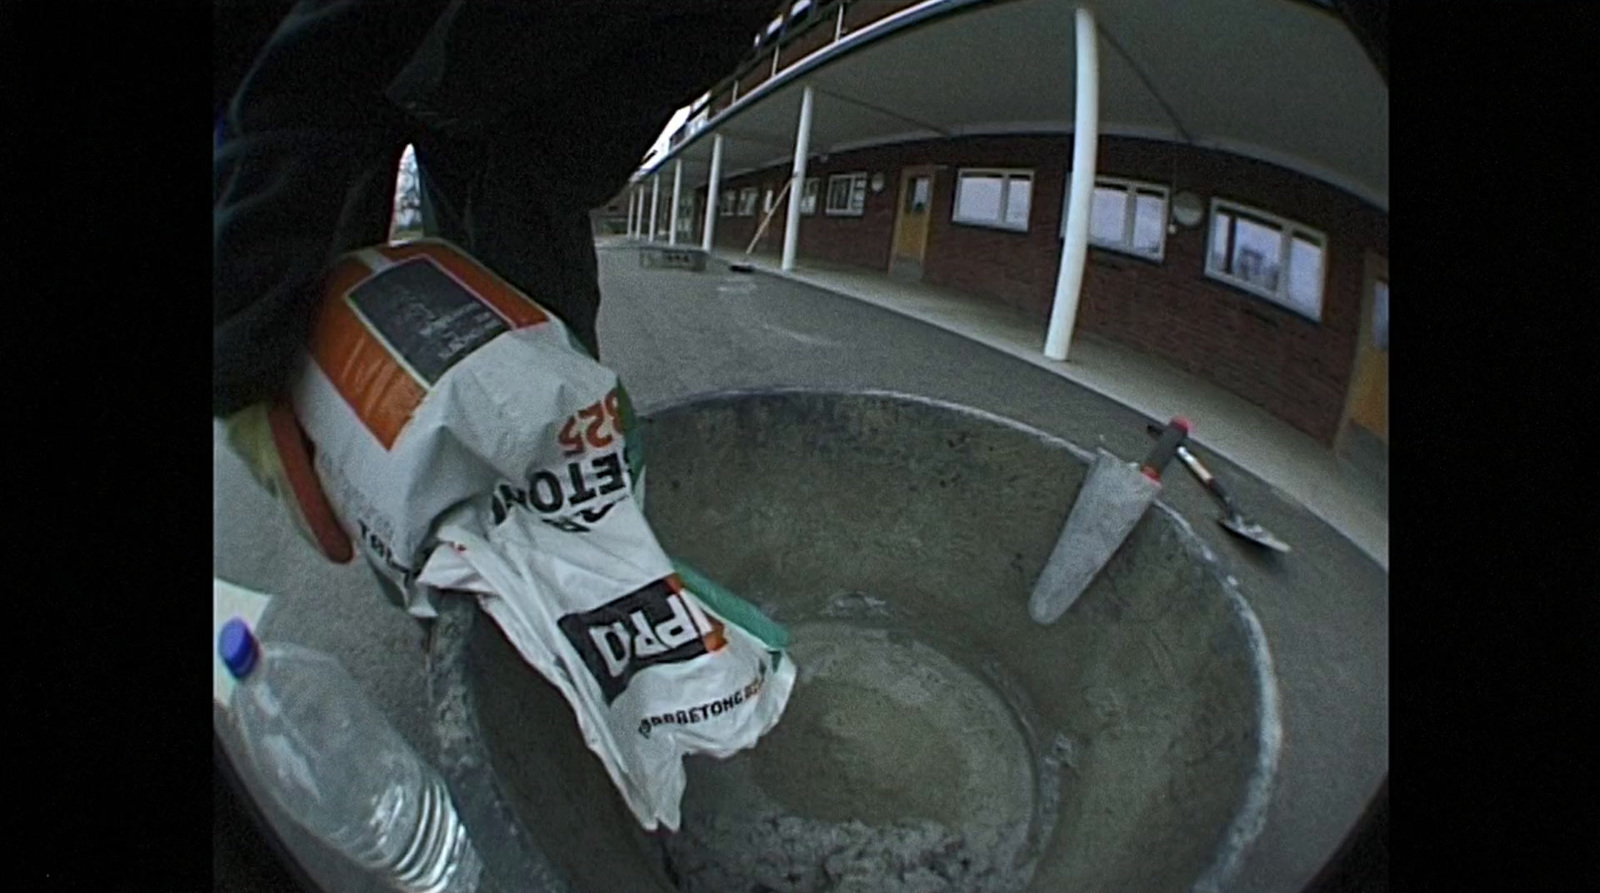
877	182
1187	209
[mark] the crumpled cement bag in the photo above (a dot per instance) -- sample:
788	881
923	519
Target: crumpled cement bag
469	445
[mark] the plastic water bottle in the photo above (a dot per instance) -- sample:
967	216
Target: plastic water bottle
337	767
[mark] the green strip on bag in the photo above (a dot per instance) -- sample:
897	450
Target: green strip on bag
733	608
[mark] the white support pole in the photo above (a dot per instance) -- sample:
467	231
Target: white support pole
713	192
838	25
633	210
655	202
797	183
677	192
1075	247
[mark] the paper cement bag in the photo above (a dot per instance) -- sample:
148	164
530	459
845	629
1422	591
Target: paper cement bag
470	446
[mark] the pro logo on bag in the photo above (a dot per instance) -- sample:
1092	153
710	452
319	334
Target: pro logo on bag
658	624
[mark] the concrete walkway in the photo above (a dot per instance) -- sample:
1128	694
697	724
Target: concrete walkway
1301	469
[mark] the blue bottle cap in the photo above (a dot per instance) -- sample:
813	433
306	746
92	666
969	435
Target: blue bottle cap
237	647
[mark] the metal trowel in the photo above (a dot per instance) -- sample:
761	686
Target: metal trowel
1112	499
1234	520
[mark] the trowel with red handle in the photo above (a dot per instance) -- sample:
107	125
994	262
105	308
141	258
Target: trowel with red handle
1114	496
1234	521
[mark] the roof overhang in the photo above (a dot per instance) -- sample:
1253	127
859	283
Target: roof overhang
1283	82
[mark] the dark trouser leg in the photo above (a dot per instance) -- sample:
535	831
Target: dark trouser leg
448	171
525	229
304	171
496	200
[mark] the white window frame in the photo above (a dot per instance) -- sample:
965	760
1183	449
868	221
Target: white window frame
1289	230
808	196
1132	189
748	196
728	203
1007	174
848	210
769	200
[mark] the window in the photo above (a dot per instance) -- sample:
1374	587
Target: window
1268	256
1126	216
994	198
918	196
767	201
686	203
1380	314
847	195
799	8
747	202
808	196
729	196
698	122
407	214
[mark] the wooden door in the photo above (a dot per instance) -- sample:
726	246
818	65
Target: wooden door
911	220
1368	401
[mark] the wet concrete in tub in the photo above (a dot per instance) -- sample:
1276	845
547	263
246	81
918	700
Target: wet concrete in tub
938	739
894	768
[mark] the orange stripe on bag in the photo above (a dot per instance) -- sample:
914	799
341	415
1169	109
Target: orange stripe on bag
369	378
383	392
714	639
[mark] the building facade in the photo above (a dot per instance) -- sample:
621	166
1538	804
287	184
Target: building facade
1259	269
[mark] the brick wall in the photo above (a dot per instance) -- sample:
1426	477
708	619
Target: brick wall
734	233
1018	269
863	241
1295	368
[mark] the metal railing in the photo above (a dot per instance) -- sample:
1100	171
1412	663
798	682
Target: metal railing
834	20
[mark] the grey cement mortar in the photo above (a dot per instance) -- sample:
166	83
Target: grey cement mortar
786	854
948	517
916	761
893	769
1323	608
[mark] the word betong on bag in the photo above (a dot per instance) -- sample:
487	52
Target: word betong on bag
469	445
